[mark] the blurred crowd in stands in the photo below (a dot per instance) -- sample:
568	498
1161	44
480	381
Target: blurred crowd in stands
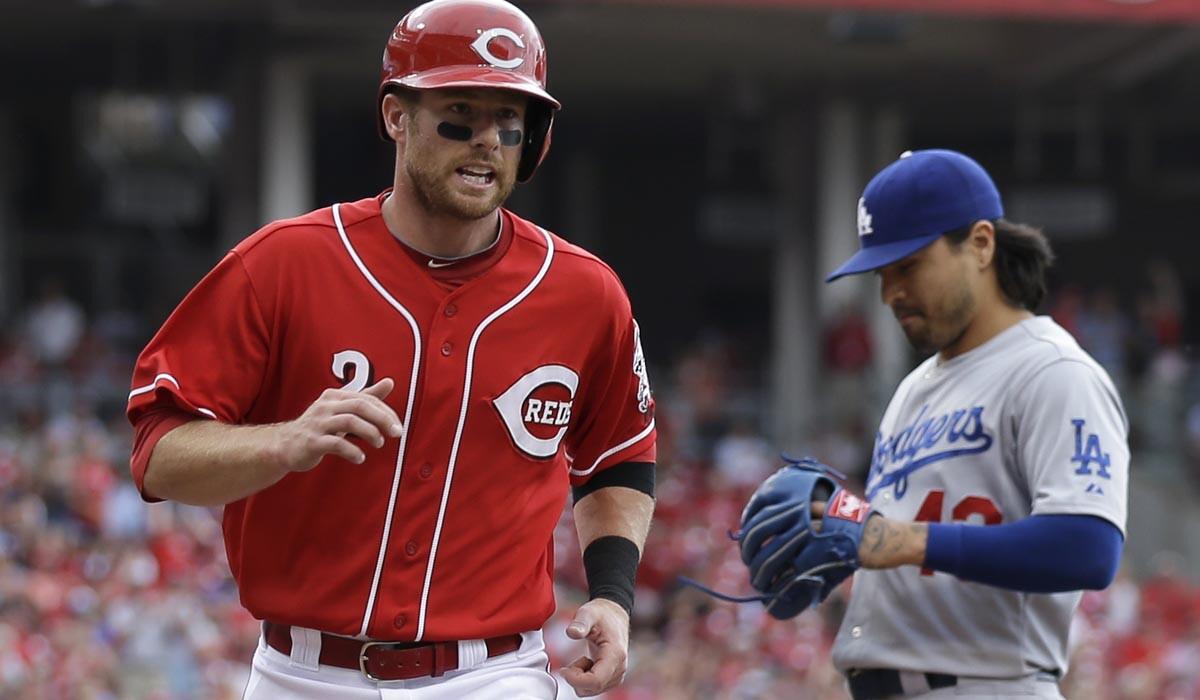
103	596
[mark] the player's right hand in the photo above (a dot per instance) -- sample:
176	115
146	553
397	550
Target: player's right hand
605	626
326	426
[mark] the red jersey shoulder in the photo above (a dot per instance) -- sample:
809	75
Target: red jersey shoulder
312	231
286	233
580	269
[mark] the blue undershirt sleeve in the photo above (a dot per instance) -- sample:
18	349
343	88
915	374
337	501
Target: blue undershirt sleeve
1038	554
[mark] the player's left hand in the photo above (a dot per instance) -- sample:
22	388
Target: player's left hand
605	625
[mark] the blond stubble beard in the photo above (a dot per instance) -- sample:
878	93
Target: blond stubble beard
434	194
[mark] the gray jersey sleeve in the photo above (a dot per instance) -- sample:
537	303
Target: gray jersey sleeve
1072	442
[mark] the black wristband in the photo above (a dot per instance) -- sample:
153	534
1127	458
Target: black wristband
611	564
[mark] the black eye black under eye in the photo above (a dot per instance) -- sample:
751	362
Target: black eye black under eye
457	132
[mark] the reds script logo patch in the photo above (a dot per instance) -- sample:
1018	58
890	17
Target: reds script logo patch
536	409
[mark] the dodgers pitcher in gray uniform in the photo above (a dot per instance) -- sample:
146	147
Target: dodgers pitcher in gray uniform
998	481
1009	424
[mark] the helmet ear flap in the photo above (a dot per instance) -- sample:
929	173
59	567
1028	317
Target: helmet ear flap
539	120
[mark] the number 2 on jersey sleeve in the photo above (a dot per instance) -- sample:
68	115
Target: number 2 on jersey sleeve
931	512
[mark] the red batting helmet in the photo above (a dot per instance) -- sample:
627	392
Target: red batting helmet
473	43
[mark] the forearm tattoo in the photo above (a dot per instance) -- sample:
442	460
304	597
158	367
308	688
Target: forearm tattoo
887	543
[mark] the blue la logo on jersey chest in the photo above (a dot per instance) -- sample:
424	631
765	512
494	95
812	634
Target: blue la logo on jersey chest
923	442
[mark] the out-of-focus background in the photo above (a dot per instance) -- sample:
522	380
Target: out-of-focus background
712	151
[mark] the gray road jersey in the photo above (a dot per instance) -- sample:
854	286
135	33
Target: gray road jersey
1026	423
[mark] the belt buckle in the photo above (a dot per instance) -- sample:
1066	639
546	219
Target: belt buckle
364	653
362	660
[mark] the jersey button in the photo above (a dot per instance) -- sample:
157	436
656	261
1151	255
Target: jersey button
400	621
426	470
450	310
411	548
447	348
856	631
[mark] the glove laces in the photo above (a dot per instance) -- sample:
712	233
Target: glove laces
769	598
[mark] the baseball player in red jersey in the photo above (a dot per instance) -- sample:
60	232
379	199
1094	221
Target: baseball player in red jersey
391	398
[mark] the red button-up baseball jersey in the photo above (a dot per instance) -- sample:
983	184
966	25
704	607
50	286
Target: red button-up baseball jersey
521	381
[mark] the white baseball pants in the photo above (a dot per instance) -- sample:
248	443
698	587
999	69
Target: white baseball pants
519	675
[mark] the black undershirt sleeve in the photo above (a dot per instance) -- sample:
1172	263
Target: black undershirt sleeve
638	476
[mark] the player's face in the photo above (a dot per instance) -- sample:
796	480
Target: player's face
931	294
465	178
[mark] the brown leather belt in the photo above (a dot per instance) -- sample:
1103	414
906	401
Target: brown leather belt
387	661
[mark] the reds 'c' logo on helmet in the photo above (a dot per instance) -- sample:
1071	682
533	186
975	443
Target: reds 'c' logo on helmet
481	47
473	44
536	409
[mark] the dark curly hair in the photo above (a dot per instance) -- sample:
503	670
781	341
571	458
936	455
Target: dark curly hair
1022	256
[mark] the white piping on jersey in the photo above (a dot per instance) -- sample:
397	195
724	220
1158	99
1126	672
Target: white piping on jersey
154	384
412	391
462	419
151	386
612	451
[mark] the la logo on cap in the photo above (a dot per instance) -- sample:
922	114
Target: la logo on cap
864	219
916	199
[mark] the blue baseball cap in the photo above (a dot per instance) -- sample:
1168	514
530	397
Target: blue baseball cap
912	202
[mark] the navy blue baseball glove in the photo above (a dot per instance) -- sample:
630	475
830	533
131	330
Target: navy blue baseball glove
795	563
790	559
